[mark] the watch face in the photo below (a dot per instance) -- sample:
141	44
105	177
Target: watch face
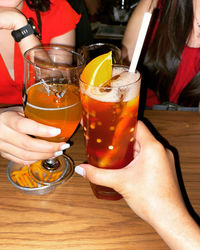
35	28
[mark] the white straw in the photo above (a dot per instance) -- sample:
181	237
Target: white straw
140	41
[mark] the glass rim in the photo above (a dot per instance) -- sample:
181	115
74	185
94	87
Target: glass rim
56	47
100	44
113	87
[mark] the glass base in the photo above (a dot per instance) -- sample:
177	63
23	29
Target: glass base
44	176
18	176
105	193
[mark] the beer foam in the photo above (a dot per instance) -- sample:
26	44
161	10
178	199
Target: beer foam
125	86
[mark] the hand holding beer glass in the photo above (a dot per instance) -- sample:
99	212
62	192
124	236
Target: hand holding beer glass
110	99
51	97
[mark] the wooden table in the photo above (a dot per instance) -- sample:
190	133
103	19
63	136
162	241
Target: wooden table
72	218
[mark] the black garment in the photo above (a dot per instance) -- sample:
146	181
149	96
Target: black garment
83	29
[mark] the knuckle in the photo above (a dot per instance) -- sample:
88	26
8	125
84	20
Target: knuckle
26	144
156	145
19	123
25	156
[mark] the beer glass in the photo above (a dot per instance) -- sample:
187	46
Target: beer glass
109	119
51	97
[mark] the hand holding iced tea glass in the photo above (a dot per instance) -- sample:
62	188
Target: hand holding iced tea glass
51	97
109	118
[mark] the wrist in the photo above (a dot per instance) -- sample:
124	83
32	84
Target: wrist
165	212
178	229
30	28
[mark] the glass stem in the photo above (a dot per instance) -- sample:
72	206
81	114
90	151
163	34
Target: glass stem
51	164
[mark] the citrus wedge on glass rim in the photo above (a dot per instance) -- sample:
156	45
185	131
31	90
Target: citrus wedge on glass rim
98	71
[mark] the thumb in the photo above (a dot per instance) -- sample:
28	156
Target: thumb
99	176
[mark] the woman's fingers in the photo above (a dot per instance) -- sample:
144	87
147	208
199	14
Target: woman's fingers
29	155
15	159
14	129
15	144
17	122
28	143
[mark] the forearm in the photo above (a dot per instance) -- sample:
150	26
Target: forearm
28	43
166	211
67	39
178	230
133	27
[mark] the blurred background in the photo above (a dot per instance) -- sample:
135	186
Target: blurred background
102	20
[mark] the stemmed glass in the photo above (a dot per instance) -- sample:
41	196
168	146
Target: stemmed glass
51	96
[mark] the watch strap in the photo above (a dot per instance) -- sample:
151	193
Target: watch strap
23	32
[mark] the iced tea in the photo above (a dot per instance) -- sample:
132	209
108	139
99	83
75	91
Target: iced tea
109	118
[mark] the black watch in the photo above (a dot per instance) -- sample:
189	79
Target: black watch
27	30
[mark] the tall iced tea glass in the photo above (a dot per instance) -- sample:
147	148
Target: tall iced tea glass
109	118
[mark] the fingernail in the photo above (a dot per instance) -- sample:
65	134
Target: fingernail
54	131
79	170
58	153
65	146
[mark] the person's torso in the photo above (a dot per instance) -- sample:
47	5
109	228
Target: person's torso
60	19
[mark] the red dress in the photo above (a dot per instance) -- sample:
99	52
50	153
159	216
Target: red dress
60	19
189	66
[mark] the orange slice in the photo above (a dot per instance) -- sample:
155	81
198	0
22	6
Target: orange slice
98	71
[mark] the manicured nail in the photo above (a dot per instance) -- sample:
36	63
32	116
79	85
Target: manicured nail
65	146
58	153
54	131
79	170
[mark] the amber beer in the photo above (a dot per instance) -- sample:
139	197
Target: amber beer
109	118
48	105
